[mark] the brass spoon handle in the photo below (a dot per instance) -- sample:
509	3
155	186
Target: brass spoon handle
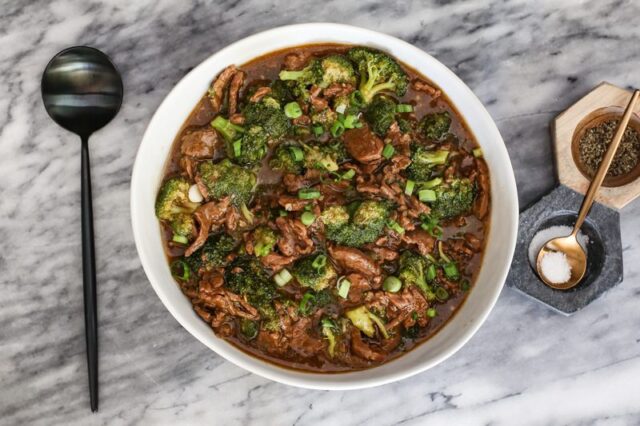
606	162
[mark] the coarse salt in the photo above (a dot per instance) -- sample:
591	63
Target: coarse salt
544	235
555	267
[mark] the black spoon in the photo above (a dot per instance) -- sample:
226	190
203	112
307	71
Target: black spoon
82	92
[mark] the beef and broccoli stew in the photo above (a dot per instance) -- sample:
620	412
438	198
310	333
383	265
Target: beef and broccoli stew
324	208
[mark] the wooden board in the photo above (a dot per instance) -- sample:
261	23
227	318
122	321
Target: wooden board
605	95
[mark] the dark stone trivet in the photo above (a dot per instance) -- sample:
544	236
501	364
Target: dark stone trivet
604	267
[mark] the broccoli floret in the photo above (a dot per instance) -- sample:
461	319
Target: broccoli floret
322	72
246	277
311	74
324	118
264	239
246	146
213	253
325	156
337	69
282	91
364	226
173	205
227	179
434	126
378	72
424	161
454	199
287	158
335	216
380	114
269	116
413	271
314	272
406	125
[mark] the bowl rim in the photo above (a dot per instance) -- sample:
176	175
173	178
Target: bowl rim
325	381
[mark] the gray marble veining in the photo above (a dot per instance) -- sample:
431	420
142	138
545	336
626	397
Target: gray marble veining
527	365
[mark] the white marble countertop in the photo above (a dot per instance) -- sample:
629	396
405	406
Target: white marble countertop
527	365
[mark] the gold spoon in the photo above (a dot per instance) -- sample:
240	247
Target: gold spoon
569	245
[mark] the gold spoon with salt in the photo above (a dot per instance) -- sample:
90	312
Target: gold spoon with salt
569	246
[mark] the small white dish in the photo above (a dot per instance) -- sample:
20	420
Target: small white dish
166	122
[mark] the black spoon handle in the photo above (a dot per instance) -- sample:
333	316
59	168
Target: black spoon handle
89	278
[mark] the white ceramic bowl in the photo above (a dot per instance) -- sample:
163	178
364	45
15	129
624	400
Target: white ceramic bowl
166	122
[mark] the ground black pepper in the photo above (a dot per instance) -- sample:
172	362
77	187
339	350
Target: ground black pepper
596	140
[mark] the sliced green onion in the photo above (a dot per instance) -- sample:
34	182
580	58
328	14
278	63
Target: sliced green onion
343	287
477	152
307	218
283	213
282	277
443	256
395	226
180	239
180	270
337	129
356	98
379	323
306	302
431	183
431	272
441	293
320	261
246	213
292	110
404	108
451	271
317	130
308	194
349	121
427	195
408	188
296	153
388	151
340	109
431	312
237	148
392	284
349	174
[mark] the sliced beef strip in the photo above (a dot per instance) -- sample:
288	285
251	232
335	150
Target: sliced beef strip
294	239
352	259
363	350
216	92
481	205
201	143
421	240
260	93
363	145
234	91
207	215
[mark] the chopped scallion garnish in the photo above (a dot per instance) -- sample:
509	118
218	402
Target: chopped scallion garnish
307	218
343	287
337	129
431	183
180	270
395	226
388	151
392	284
320	261
404	108
477	152
318	130
306	302
292	110
408	188
309	194
282	277
431	312
349	174
180	239
296	153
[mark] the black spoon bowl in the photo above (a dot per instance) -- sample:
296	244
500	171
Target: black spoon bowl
82	92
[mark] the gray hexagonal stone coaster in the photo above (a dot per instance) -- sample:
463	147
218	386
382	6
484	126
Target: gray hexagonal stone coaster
604	267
